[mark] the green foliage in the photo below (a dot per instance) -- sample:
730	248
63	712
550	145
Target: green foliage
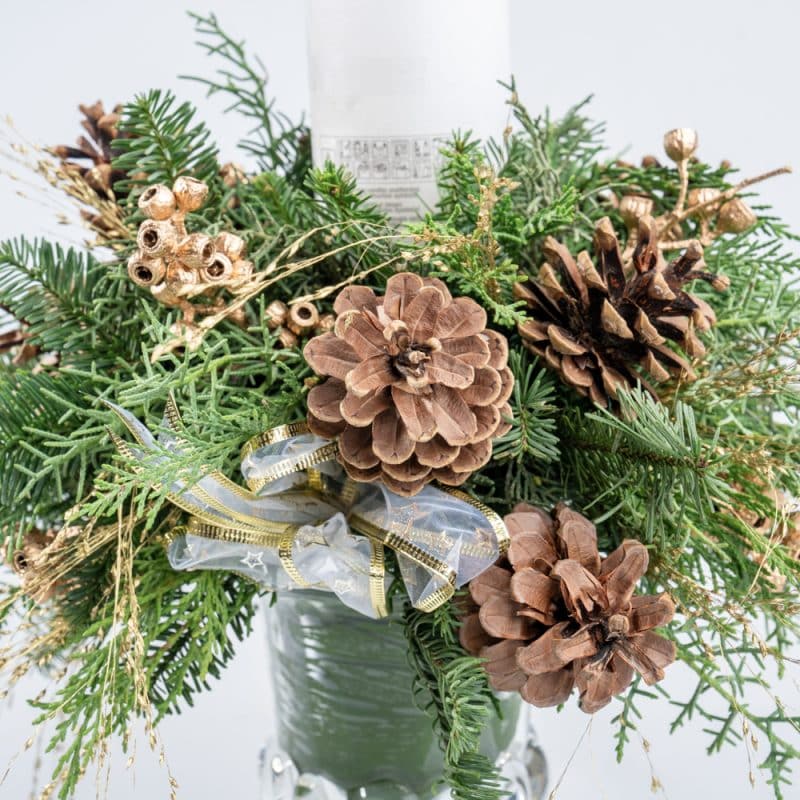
70	303
683	474
532	441
160	141
453	688
36	469
278	144
188	628
554	161
660	454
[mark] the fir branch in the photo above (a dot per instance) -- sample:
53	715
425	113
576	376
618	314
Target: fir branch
278	144
475	261
161	141
532	440
553	163
513	225
452	686
67	300
649	466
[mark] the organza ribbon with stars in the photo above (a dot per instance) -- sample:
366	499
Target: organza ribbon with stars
302	523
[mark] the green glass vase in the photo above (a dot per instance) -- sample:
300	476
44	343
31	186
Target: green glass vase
346	723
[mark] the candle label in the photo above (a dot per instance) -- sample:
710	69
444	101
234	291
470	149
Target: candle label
399	172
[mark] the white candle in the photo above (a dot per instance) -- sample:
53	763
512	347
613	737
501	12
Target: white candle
392	79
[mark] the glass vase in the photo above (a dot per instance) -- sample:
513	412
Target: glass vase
346	722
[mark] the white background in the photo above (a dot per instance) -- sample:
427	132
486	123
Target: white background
728	69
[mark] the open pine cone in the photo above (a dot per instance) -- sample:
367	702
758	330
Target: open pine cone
603	327
416	386
555	615
91	157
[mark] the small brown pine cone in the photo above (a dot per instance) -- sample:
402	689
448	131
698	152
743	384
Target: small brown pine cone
603	327
553	615
93	153
417	386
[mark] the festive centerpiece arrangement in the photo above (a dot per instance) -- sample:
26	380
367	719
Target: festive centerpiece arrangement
528	449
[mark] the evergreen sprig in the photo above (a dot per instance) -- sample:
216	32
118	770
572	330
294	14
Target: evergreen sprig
189	629
684	474
279	144
532	442
160	141
453	688
68	301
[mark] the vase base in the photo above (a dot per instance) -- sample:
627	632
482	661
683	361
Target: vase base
522	764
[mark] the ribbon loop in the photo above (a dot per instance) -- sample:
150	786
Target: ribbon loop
303	523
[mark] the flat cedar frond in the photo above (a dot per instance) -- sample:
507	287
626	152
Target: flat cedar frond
278	144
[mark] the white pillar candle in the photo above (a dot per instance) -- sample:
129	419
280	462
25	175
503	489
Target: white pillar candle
392	79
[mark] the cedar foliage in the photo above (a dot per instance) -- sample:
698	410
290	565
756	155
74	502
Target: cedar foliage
672	475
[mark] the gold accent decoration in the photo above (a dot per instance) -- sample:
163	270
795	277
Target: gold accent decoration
187	271
377	572
435	566
295	464
315	482
495	520
287	560
218	521
280	433
267	538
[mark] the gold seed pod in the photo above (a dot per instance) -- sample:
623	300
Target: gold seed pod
650	161
157	238
197	251
33	543
326	323
232	245
242	272
157	201
736	216
179	276
702	195
232	174
303	318
145	271
632	207
287	338
167	293
219	270
238	317
275	314
680	143
721	282
190	193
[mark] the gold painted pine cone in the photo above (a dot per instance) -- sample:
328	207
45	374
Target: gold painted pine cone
603	326
554	615
416	386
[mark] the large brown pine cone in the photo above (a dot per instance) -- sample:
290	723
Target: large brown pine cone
555	615
603	326
417	387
